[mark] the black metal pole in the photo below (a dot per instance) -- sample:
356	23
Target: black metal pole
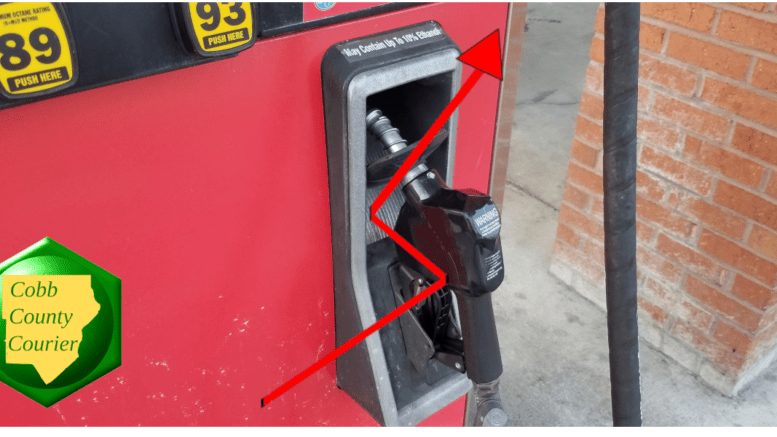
621	67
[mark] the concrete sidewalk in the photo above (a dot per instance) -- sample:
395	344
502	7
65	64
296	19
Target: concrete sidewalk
554	341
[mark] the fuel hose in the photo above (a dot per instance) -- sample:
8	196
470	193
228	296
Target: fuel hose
621	67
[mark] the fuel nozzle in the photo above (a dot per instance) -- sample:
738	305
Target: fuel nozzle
458	230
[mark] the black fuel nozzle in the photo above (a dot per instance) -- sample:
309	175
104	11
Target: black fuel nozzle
465	224
458	230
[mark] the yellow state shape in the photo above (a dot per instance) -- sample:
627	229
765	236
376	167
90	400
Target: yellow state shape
45	316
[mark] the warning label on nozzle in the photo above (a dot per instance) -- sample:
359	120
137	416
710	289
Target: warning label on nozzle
487	221
372	46
494	265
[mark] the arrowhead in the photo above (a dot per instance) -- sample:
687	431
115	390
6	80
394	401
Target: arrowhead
485	56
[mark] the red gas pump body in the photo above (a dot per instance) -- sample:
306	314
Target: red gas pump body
205	190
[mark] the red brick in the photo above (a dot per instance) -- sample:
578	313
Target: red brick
696	338
649	186
695	16
644	232
708	56
726	163
581	223
771	186
730	362
713	216
735	339
755	143
651	37
714	350
760	7
597	50
591	105
594	252
673	200
690	117
580	263
770	316
676	171
753	293
749	31
594	78
585	178
655	312
695	316
597	209
567	235
739	257
584	154
747	204
667	75
599	167
739	101
675	303
691	259
589	131
728	307
670	221
575	196
765	75
643	98
657	133
765	336
658	265
763	241
768	320
599	25
660	294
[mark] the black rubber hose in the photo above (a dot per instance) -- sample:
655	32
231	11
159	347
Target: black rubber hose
621	68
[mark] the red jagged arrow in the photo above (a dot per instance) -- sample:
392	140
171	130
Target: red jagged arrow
485	56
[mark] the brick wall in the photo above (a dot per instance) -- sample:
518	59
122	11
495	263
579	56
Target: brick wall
707	187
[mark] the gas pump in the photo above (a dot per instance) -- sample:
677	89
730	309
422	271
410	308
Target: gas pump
169	130
377	89
148	137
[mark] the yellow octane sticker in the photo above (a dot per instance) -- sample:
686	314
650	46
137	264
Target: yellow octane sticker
36	51
220	28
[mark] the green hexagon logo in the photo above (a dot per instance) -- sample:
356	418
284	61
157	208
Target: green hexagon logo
61	322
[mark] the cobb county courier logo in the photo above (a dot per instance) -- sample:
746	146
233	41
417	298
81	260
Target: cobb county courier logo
60	327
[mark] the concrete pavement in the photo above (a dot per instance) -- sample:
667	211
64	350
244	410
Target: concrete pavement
554	341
